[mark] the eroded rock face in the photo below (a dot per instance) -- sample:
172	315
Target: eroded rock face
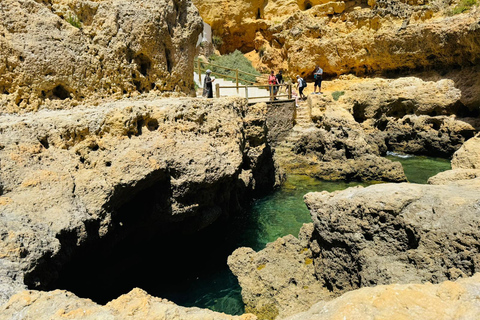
346	36
67	175
112	48
136	304
280	279
364	237
396	234
406	115
447	300
465	164
339	149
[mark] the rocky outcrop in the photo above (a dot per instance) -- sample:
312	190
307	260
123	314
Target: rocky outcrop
136	304
445	301
406	115
279	280
465	164
339	149
153	166
363	237
59	53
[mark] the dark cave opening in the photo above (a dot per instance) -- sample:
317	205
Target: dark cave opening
148	248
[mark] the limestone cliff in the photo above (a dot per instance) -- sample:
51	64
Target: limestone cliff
68	177
347	36
60	53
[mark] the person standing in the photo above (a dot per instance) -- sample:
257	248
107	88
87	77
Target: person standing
317	75
279	77
207	85
272	81
301	86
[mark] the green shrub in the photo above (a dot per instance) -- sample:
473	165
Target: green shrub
337	94
217	41
74	20
463	5
234	60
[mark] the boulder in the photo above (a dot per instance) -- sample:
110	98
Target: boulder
365	237
396	233
61	53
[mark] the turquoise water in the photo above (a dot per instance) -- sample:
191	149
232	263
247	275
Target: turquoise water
419	168
276	215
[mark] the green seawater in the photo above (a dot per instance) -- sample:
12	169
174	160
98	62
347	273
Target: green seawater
276	215
419	168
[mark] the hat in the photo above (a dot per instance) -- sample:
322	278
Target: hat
298	76
208	71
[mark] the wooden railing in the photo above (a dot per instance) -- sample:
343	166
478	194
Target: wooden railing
271	88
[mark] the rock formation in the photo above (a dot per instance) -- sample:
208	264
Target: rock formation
364	237
137	304
465	164
68	176
60	53
406	115
346	36
339	149
445	301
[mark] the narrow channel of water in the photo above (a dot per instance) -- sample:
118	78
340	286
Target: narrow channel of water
276	215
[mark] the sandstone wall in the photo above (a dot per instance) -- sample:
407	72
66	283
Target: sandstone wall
118	48
346	36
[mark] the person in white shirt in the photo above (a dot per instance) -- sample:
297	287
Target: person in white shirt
300	87
317	74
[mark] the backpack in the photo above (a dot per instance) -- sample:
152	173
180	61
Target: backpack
304	83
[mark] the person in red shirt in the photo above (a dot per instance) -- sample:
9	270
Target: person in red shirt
272	81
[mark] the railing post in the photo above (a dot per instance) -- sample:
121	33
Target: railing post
290	91
199	71
271	92
246	92
217	90
237	79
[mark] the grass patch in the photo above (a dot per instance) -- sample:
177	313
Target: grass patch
337	94
234	60
463	6
74	20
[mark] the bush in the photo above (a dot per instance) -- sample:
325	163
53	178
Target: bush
463	5
74	20
217	41
234	60
337	94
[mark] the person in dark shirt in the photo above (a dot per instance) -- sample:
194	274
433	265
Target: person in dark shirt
279	77
207	85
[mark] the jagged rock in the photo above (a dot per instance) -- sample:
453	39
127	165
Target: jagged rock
465	164
364	237
396	233
67	176
444	301
278	280
406	115
136	304
339	149
468	156
60	53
